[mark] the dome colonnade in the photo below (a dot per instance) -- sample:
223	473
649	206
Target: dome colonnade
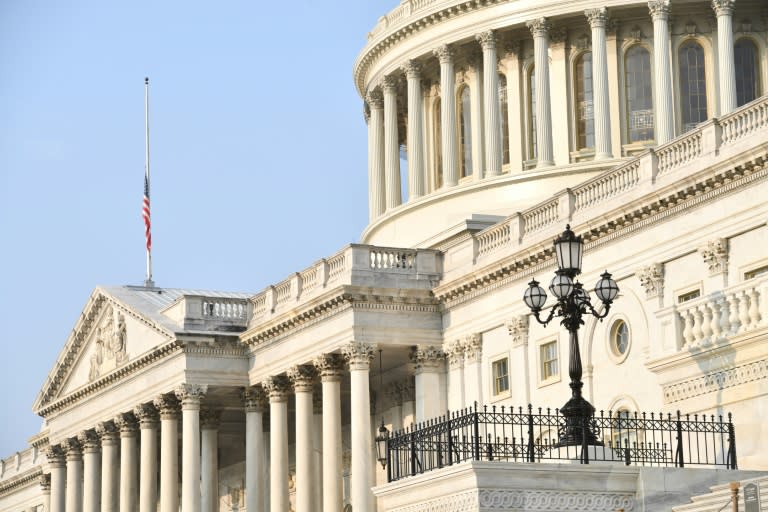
514	116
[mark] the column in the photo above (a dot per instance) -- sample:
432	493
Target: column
190	396
391	143
427	361
598	19
58	467
91	444
317	444
129	482
74	452
408	397
514	111
330	368
415	131
168	405
376	194
725	57
476	115
255	489
448	138
492	106
277	388
359	356
662	73
519	370
394	393
473	371
454	352
110	465
540	31
559	72
612	50
209	460
45	490
303	377
149	419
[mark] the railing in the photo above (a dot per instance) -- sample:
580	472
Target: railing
392	258
541	216
749	119
679	152
607	185
493	238
225	309
529	435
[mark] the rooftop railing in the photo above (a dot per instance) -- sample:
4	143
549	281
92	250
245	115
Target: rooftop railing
530	435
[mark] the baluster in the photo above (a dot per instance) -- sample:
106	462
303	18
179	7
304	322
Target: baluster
706	326
733	319
717	313
754	311
688	329
697	332
743	311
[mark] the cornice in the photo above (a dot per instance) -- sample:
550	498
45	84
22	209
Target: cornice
656	208
715	381
129	368
31	477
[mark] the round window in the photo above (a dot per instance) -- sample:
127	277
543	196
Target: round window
620	339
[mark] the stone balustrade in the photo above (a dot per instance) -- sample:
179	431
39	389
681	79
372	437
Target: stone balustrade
751	118
355	265
198	312
19	463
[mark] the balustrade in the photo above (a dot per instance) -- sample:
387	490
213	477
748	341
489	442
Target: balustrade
679	151
607	185
540	217
749	119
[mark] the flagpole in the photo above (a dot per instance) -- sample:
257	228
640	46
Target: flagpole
146	211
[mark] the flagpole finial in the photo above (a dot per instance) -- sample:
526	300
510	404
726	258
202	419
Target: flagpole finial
146	80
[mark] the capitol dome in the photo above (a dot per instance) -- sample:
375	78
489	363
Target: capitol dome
464	130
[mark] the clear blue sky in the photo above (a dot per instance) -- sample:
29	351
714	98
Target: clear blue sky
258	156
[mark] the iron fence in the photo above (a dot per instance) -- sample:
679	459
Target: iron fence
531	435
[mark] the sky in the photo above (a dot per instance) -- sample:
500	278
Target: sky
258	157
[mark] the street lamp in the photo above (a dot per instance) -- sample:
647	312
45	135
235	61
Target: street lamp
573	302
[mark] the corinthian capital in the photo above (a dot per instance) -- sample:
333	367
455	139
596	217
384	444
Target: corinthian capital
539	27
303	378
375	99
659	9
723	7
89	440
277	387
652	280
444	54
107	431
55	455
329	366
487	39
147	414
388	84
518	329
72	448
426	358
126	422
191	395
715	255
473	348
454	352
597	17
168	405
254	399
358	355
412	69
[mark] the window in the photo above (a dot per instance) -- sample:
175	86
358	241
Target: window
637	77
685	297
438	145
532	151
746	65
465	132
500	369
693	84
585	118
549	365
504	109
756	272
619	340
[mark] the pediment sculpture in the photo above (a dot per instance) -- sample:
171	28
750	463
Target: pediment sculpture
109	350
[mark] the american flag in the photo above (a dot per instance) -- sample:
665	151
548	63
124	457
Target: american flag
146	215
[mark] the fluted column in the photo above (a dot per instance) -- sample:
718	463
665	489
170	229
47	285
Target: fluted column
598	19
91	444
359	356
448	137
110	465
168	405
662	73
303	378
540	31
492	107
454	352
476	117
391	143
427	361
415	132
330	368
209	460
725	56
148	422
45	490
74	493
277	387
376	187
57	463
255	456
190	396
129	484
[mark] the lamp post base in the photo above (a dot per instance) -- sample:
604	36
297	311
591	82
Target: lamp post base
579	428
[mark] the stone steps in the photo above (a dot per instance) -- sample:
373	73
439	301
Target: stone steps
718	499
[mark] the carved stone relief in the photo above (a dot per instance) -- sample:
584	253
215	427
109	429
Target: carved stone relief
110	348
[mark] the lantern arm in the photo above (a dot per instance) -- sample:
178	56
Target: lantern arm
597	314
552	311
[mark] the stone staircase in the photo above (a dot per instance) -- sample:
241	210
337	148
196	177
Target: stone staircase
719	498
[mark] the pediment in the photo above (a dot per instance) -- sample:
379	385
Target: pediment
108	336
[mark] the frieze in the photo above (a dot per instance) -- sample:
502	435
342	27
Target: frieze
110	346
716	381
504	499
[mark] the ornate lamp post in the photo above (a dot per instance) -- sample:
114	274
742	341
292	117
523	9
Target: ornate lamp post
572	303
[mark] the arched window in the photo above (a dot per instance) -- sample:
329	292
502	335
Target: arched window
465	132
504	109
438	138
693	84
745	61
585	118
532	150
637	80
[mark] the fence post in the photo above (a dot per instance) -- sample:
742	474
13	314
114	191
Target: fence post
450	441
627	455
584	446
389	462
679	462
531	446
476	436
731	457
413	454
